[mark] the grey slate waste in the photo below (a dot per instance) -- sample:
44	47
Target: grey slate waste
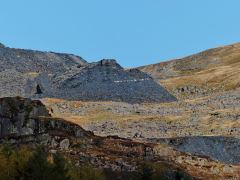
70	77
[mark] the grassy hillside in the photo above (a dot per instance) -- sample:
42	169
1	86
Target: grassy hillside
210	71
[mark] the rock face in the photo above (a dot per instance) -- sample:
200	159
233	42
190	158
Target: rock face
38	74
20	116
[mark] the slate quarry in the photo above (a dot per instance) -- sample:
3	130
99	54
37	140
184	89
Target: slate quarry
38	74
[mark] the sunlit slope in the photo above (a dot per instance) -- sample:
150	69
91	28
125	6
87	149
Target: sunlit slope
210	71
217	115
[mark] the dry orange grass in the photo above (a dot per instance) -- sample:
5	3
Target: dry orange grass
223	75
205	125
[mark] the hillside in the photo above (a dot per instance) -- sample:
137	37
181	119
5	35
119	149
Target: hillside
107	81
27	122
38	74
204	121
181	115
211	71
30	61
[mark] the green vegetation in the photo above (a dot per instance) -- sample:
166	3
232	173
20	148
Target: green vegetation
158	171
28	164
152	171
190	72
34	163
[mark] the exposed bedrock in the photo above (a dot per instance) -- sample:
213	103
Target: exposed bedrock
21	116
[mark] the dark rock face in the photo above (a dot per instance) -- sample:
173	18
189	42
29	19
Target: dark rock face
21	116
38	74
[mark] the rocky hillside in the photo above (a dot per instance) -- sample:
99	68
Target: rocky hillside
28	122
208	72
220	148
108	81
132	112
203	122
217	115
29	61
43	74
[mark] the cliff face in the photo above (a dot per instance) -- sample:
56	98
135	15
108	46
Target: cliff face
20	116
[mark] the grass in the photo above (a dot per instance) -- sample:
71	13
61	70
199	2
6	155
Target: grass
190	72
224	73
34	74
183	122
223	78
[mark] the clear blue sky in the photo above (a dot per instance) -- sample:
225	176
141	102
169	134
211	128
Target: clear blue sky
135	32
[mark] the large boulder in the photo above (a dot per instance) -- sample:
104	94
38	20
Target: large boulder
21	116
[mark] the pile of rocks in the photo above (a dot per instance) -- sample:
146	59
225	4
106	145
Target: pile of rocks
38	74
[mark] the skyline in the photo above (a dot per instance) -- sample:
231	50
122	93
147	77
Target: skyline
135	33
116	59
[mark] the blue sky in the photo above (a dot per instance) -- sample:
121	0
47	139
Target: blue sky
134	32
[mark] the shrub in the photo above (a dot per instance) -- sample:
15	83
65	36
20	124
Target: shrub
38	167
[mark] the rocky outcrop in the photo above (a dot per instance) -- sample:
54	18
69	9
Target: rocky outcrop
20	116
